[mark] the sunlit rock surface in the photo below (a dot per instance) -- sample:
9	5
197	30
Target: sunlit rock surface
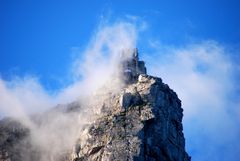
144	123
141	122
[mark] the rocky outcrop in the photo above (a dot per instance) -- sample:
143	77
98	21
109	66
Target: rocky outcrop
144	124
141	122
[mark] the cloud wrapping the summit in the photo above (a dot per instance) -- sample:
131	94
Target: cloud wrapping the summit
55	132
96	65
101	59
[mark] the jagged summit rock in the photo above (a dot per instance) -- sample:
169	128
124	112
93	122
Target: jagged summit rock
141	122
132	67
144	124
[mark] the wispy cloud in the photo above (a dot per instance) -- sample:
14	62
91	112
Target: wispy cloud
22	96
96	66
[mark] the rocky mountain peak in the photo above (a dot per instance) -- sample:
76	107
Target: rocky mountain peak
141	122
144	123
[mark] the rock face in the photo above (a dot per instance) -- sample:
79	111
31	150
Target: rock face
143	122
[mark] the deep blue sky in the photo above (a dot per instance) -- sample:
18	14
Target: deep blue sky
38	37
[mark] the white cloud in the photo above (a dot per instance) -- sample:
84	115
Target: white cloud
22	96
98	65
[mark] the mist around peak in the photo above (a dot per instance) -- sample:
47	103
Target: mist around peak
95	71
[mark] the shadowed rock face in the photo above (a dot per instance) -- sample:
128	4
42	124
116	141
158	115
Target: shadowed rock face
12	136
142	122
